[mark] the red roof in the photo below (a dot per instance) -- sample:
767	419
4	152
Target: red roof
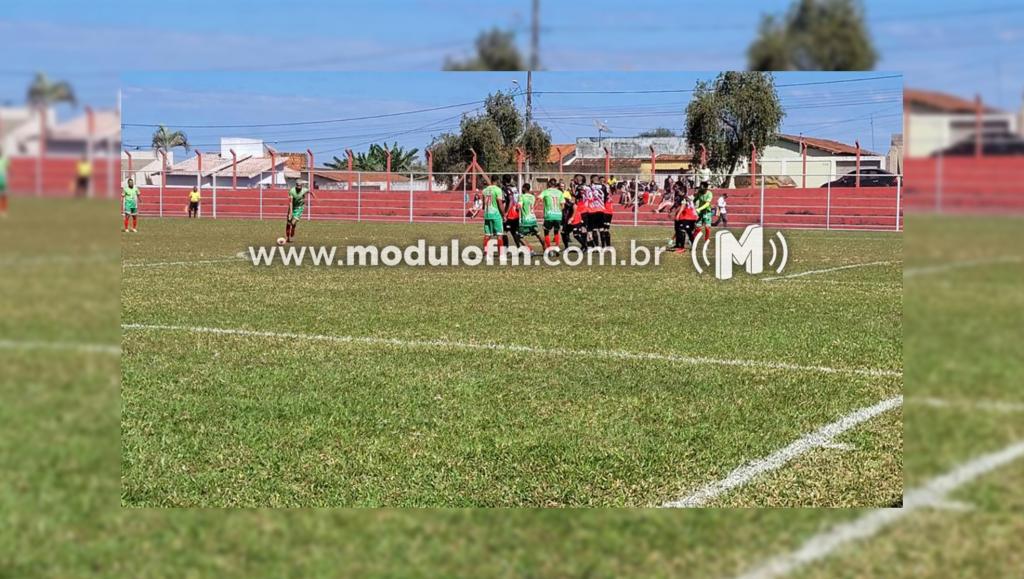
567	150
940	101
828	145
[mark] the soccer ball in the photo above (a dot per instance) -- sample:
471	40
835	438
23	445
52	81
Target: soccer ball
281	240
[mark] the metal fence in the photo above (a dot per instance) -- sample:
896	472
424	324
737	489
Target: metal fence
770	200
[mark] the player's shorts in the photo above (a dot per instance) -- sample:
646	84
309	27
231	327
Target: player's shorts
131	208
296	213
552	225
528	227
3	186
593	221
704	218
606	220
82	183
512	226
492	225
193	205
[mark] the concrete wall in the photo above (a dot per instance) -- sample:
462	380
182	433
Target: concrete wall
243	147
928	133
630	147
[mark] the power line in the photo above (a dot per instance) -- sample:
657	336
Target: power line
690	90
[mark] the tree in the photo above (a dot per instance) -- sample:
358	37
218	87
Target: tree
814	35
658	132
495	50
494	135
376	159
165	140
728	115
43	93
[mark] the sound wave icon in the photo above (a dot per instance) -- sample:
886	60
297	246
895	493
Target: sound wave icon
696	249
775	254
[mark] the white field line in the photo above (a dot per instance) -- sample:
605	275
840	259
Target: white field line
933	494
174	263
73	346
823	437
984	405
944	267
448	344
831	269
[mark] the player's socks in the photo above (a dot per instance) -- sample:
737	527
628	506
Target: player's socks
135	222
557	241
126	223
547	241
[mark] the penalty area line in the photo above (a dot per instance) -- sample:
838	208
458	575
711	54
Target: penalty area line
933	494
821	438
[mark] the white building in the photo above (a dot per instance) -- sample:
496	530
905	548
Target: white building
935	121
826	160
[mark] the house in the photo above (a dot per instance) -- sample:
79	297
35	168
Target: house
19	129
935	121
72	138
256	167
328	179
145	167
826	160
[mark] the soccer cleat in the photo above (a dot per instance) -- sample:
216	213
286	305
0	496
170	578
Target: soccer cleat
134	230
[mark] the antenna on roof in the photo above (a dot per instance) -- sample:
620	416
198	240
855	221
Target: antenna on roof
601	128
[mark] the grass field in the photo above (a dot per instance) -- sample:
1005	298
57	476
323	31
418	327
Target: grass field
59	499
367	386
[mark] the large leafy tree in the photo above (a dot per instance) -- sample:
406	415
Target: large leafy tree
495	50
376	159
494	135
814	35
165	139
43	92
731	113
658	132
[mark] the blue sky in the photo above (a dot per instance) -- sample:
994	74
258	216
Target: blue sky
839	110
941	44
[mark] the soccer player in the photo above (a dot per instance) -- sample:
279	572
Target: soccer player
4	164
494	213
296	205
685	220
194	196
83	170
527	219
552	199
130	195
721	216
702	204
568	214
510	199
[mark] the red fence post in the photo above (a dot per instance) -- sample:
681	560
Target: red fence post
977	126
163	177
561	169
472	166
199	174
351	159
309	214
607	163
273	167
654	164
803	153
234	170
857	180
90	118
389	171
753	163
703	155
42	150
430	171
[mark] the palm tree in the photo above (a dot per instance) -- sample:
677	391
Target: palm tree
43	93
165	140
376	159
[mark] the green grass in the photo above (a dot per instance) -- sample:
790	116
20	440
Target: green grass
213	420
61	478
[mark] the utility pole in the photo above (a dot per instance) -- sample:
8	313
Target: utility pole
873	148
534	60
